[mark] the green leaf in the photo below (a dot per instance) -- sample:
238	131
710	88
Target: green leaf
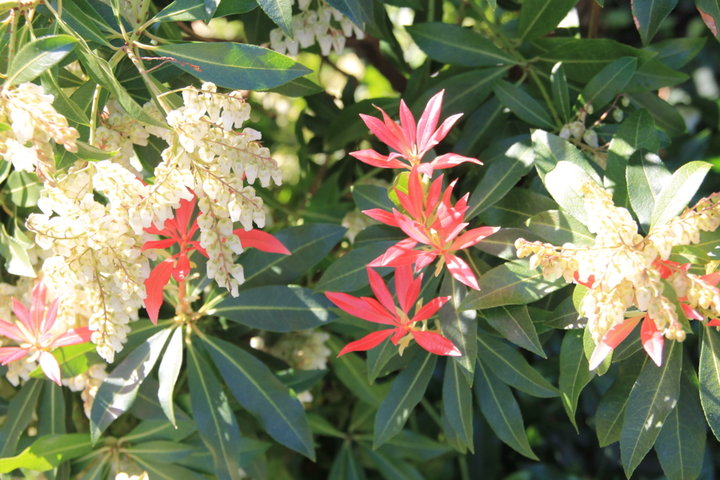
47	452
651	400
678	191
23	188
168	373
502	243
37	56
117	393
460	327
560	91
677	52
608	82
513	210
710	13
349	272
52	411
390	468
277	308
709	373
538	17
648	176
457	411
680	447
512	368
500	177
574	372
636	132
280	12
165	471
551	149
649	14
666	116
652	75
346	466
611	409
307	243
73	360
456	45
523	105
161	429
233	65
382	360
414	446
84	21
162	451
359	12
347	126
511	283
19	414
14	250
62	102
501	410
213	416
556	227
298	87
464	91
259	392
407	390
514	323
564	183
352	372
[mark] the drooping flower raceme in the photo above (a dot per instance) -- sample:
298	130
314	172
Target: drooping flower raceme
433	222
622	269
412	141
36	333
383	310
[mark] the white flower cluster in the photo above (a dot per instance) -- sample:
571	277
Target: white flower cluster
324	25
119	132
33	122
619	267
94	253
304	350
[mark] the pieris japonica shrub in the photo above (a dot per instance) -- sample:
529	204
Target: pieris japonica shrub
358	239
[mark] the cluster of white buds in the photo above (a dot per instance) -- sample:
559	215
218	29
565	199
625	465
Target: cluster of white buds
94	253
323	25
31	122
118	133
619	267
305	350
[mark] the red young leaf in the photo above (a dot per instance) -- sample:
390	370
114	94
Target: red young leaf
652	340
263	241
154	285
367	342
435	343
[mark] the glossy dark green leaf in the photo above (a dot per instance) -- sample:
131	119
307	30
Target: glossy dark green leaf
514	323
371	196
165	471
52	411
538	17
557	227
23	188
512	368
381	360
349	272
359	12
352	372
649	14
298	87
648	176
709	374
565	183
346	466
83	20
677	52
347	126
502	243
611	409
390	468
457	411
277	308
407	390
162	451
680	188
651	75
460	327
651	400
514	210
456	45
414	446
214	418
161	429
500	177
523	105
501	410
233	65
62	102
117	393
710	13
280	12
551	149
47	452
680	447
636	132
19	415
258	391
511	283
609	82
308	244
189	10
666	116
465	91
574	372
37	56
168	373
560	91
